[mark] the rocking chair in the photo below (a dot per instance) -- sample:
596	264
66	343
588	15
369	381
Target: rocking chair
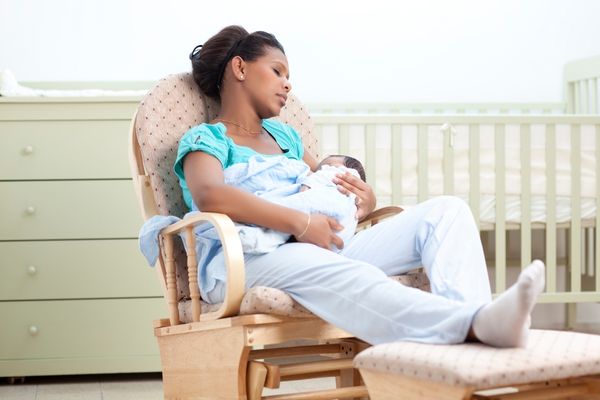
227	351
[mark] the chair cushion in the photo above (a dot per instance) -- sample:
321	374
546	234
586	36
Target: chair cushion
257	300
550	355
171	108
265	300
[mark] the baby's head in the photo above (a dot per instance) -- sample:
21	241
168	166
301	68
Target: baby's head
344	161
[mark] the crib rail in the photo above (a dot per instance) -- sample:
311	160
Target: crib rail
581	86
465	142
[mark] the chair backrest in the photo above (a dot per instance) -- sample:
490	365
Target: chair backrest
169	109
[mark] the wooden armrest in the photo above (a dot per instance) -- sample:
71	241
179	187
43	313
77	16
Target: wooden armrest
234	263
379	214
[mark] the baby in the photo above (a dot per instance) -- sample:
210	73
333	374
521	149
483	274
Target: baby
290	183
329	167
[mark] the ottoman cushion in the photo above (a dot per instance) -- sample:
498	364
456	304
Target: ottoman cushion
550	355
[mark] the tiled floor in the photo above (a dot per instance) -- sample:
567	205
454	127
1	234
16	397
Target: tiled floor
116	387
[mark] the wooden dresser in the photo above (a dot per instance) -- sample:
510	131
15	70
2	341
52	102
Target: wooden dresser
76	296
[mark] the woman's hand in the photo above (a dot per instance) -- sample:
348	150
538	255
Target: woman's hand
320	230
365	197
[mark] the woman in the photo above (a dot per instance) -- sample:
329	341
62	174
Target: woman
249	75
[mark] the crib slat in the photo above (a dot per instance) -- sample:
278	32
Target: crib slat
370	156
597	247
594	97
570	98
500	231
344	139
575	257
551	208
588	251
525	195
396	164
584	96
577	97
422	163
474	195
448	161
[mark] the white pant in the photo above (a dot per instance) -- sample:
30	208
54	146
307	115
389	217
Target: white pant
351	290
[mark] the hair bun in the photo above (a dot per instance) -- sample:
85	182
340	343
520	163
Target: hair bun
210	59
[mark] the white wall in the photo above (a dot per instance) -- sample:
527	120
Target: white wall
437	50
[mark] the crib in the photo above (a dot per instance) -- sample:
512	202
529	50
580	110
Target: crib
528	171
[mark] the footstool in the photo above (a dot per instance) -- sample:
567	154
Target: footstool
555	365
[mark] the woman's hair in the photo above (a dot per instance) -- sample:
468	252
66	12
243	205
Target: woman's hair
210	60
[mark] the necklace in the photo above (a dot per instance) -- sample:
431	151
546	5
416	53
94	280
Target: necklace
248	131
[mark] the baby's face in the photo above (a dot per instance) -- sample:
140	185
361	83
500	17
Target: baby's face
333	161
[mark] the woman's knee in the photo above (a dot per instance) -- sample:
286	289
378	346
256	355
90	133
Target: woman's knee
448	208
450	203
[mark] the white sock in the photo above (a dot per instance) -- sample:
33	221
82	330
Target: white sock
505	321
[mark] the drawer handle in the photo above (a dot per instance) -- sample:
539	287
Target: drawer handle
32	270
30	210
33	330
27	150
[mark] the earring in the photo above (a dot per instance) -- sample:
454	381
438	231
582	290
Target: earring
241	76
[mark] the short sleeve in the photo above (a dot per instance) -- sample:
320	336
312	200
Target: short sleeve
201	138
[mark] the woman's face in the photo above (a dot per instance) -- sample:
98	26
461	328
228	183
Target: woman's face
267	82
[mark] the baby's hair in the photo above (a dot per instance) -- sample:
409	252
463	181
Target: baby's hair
351	162
210	59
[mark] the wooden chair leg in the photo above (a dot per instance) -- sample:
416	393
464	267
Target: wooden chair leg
349	377
385	386
208	365
257	375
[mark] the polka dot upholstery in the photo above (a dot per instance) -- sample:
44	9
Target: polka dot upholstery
417	279
169	109
257	300
550	355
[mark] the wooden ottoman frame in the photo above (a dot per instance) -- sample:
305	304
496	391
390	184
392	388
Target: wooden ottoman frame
555	365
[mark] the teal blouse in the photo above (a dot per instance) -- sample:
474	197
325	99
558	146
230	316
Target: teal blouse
211	139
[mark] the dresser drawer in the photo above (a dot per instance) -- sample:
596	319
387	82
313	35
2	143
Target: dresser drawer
63	150
79	328
75	270
68	210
